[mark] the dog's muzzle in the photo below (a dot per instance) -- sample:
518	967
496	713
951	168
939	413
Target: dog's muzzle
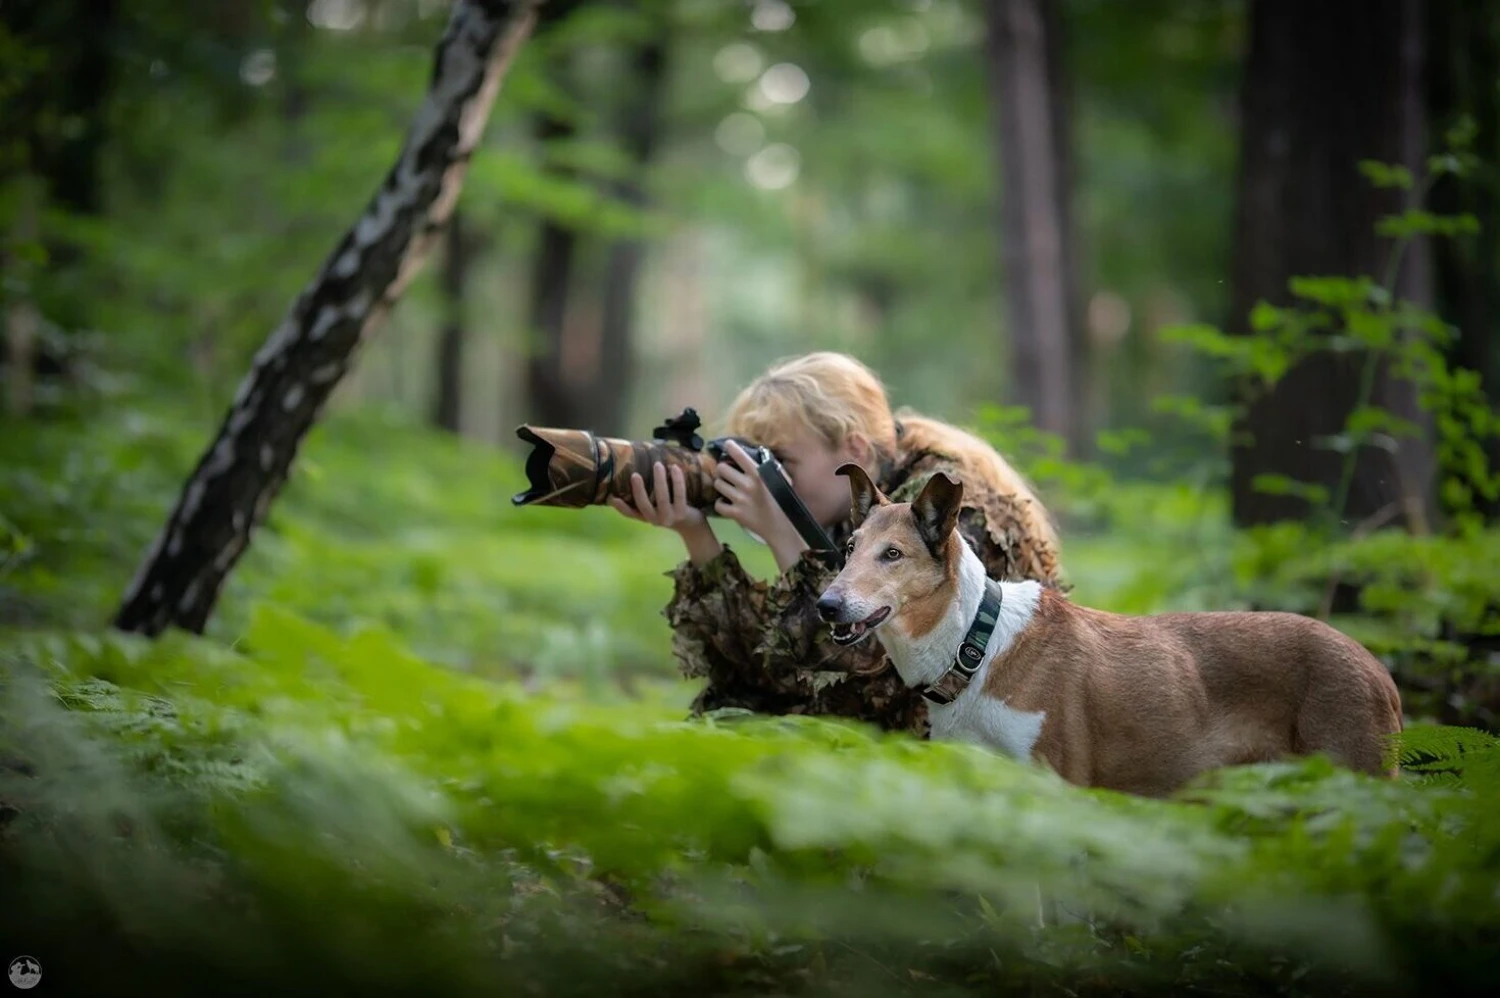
847	632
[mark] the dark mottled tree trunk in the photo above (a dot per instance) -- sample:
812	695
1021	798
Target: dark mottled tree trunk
1325	86
639	130
1029	102
448	397
241	472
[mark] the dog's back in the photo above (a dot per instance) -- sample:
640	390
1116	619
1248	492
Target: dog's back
1181	693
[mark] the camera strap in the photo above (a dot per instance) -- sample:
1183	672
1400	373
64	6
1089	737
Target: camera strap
791	504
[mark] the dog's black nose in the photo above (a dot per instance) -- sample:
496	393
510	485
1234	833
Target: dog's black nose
829	606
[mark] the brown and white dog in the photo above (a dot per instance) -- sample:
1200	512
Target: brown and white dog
1140	704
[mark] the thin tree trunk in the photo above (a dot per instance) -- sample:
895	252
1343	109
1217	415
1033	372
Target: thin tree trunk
548	385
230	491
1326	85
550	394
1024	54
1080	350
640	131
448	407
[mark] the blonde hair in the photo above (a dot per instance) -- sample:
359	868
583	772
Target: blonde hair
837	395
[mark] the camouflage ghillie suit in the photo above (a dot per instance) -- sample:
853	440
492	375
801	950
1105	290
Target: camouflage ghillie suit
762	647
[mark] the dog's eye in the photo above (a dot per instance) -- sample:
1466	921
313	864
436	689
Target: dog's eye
891	554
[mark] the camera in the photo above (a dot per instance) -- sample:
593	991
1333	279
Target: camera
574	468
756	452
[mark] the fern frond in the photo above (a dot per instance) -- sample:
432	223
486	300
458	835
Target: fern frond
1470	755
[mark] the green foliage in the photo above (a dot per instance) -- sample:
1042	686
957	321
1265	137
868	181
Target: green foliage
337	804
379	766
1345	314
431	547
1428	600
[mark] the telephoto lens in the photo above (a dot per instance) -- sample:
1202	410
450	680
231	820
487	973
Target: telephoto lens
575	468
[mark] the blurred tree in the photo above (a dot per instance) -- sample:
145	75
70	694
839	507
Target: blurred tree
552	389
548	380
1325	86
458	250
1464	92
638	127
60	111
1028	87
56	124
240	473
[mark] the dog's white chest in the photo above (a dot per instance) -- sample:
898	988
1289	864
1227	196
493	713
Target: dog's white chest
990	722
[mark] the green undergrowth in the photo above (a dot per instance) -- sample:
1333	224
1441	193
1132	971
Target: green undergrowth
381	522
435	743
312	810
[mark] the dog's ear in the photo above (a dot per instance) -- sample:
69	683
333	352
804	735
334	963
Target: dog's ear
936	510
862	492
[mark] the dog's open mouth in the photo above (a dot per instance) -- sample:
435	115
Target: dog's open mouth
847	634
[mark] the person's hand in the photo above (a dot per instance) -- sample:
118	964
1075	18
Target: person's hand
669	509
745	499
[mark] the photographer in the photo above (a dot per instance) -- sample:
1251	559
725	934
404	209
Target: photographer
761	645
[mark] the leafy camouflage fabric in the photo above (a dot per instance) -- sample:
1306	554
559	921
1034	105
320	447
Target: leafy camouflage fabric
762	648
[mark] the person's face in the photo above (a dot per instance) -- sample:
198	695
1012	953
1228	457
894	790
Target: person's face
813	467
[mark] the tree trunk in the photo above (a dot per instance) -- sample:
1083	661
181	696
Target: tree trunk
1326	85
551	397
548	382
1464	56
292	376
448	401
639	130
62	111
1029	102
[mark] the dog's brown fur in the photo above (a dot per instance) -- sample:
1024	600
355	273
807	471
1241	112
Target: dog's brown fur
1144	704
1132	703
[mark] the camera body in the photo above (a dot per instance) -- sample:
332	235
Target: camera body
756	452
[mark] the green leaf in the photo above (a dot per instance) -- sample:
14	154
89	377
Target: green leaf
1421	223
1367	420
1335	292
1284	485
1386	175
1265	317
